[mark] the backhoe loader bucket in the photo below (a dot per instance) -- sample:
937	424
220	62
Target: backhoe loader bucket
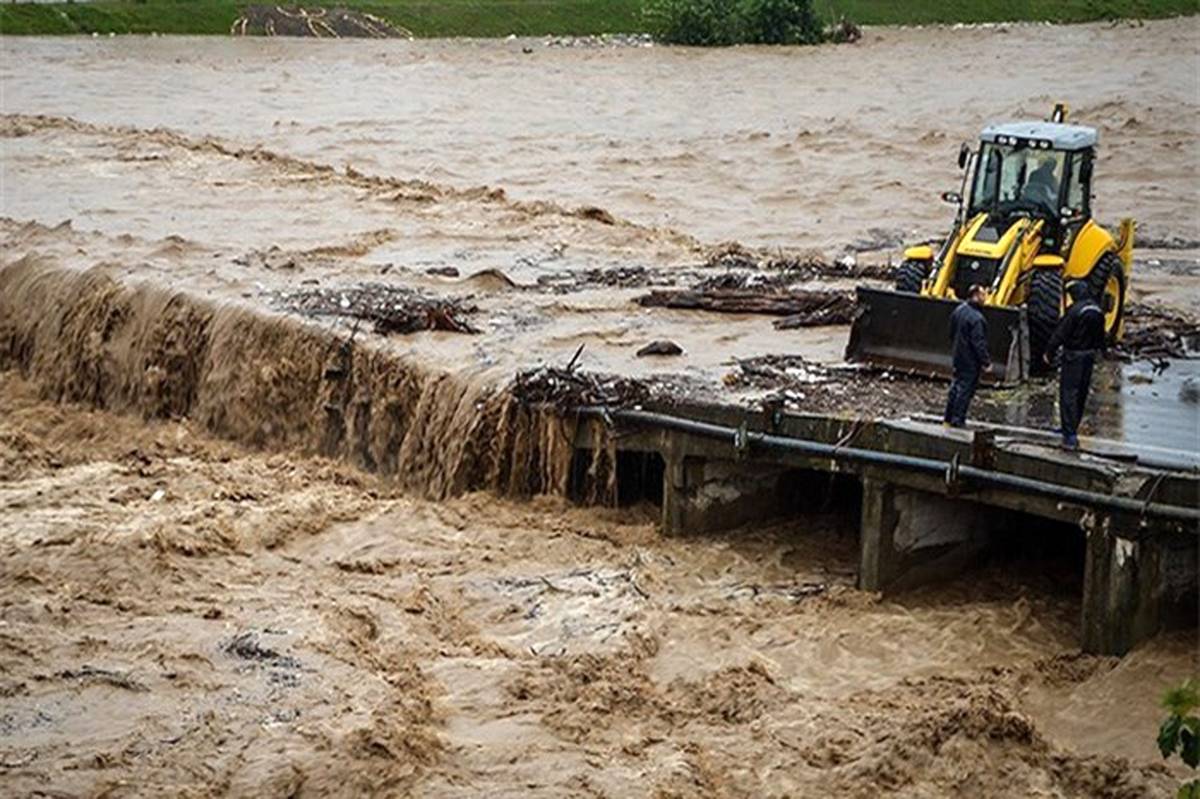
911	333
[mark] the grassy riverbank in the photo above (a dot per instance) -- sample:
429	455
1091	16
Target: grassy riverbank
429	18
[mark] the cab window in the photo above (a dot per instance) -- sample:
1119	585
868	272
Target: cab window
1075	193
1018	177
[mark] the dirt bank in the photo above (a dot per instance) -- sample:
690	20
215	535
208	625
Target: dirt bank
181	615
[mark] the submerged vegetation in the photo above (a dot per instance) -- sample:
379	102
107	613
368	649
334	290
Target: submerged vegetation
702	21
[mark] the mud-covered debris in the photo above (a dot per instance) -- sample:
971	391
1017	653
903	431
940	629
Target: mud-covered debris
757	280
247	647
1172	241
797	383
617	277
844	268
391	309
732	255
804	308
876	239
442	271
745	281
622	277
274	258
567	388
92	674
320	23
1175	267
796	592
796	267
1153	332
775	371
826	308
595	214
660	347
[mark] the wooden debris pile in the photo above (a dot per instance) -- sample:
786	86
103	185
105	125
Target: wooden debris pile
801	308
621	277
798	383
805	266
390	309
567	388
1153	332
775	371
617	276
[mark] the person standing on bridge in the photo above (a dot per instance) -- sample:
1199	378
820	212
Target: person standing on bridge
968	332
1080	334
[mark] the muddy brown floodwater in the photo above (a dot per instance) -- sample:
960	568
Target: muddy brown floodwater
782	147
241	555
185	617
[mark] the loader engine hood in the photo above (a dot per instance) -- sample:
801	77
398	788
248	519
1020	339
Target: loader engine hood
984	248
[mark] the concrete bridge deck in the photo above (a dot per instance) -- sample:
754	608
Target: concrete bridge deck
931	500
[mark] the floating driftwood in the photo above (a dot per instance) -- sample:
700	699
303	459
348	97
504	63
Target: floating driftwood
802	308
390	309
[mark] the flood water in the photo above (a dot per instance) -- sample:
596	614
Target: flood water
791	147
182	614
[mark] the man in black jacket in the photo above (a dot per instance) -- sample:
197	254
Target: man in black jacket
1080	334
968	331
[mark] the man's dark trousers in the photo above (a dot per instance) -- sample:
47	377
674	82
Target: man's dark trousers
962	390
1073	384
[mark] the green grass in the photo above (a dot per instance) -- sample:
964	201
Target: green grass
483	18
428	18
925	12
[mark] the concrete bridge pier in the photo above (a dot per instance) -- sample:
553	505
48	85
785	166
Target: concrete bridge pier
1134	586
909	537
707	495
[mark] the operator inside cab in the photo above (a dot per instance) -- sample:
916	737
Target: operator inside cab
1042	185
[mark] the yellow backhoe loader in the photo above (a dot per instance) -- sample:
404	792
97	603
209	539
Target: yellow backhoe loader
1024	228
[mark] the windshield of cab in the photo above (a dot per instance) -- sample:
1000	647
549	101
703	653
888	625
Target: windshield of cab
1016	177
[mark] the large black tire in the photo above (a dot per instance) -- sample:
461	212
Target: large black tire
909	276
1043	310
1107	266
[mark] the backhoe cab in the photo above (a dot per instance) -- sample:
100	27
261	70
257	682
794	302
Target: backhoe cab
1023	230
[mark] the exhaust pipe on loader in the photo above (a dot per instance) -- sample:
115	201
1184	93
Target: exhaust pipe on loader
910	333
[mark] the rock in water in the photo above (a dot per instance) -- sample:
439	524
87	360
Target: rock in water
661	347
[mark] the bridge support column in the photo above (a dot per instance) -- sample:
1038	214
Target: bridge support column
911	537
1135	587
706	495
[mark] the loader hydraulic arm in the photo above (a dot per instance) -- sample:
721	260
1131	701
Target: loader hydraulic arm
1016	263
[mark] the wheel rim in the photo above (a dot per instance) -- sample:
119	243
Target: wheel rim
1112	288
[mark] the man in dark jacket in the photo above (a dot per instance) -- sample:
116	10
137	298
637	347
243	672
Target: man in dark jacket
968	331
1080	334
